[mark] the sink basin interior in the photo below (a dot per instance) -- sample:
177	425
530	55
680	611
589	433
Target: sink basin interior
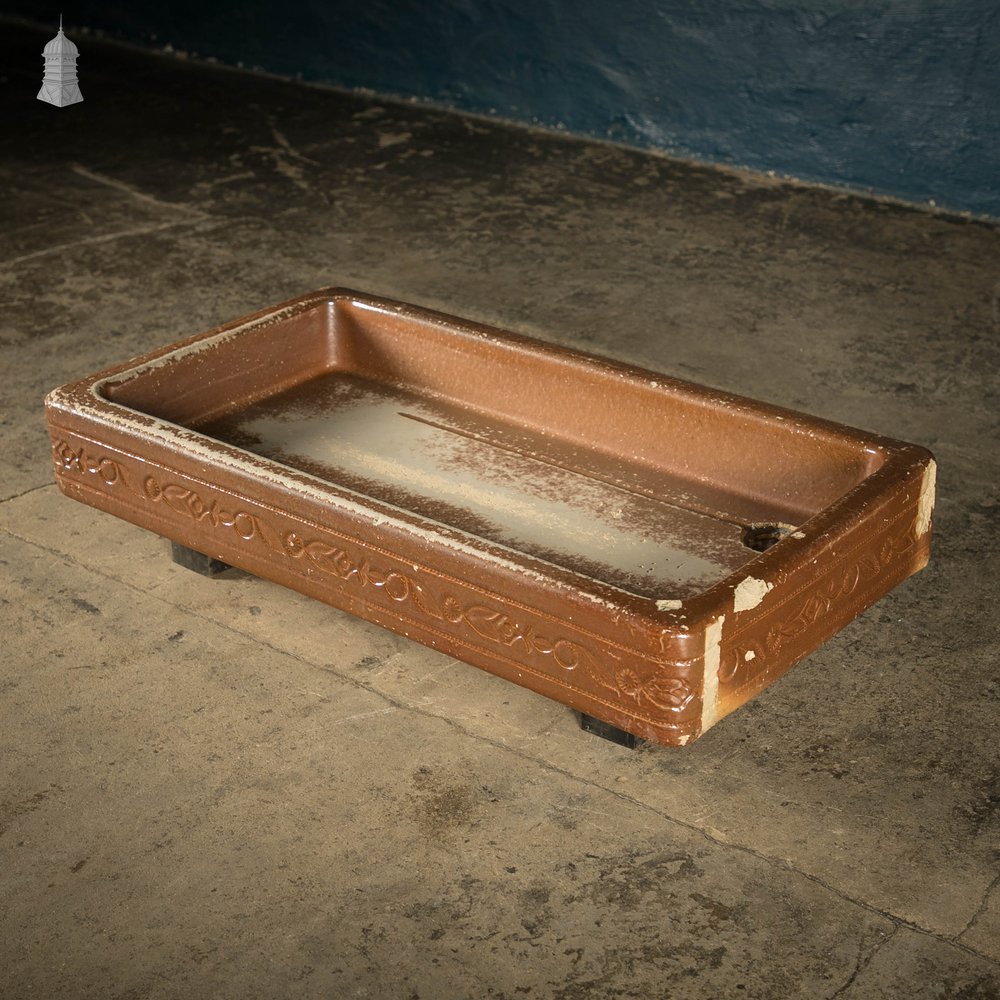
512	486
623	477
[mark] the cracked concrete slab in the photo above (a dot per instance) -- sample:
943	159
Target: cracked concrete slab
925	968
165	736
60	207
764	782
186	766
983	931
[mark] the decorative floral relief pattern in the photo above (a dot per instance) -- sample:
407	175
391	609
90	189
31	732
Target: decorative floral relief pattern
739	661
742	660
69	459
190	504
180	499
645	684
649	688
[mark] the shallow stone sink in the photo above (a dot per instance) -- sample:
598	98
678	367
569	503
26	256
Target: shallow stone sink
650	552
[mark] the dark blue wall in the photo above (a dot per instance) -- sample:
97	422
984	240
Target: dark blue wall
901	98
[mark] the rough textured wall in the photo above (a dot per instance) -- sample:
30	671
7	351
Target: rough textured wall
899	97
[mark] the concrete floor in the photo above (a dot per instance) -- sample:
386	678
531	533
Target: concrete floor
223	789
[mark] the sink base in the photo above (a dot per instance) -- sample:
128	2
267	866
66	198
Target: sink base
196	561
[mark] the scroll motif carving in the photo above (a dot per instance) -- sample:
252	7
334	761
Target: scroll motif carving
181	499
649	688
189	503
645	684
738	661
867	567
743	659
69	459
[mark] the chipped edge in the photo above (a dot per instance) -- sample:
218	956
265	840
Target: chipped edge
749	593
710	685
925	506
669	605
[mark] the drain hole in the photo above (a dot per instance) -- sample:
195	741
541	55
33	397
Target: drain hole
760	537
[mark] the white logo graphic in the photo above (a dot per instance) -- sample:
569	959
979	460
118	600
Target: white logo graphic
59	86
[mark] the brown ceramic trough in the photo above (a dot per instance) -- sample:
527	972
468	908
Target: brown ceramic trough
650	552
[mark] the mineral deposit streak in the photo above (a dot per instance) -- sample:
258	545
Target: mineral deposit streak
461	470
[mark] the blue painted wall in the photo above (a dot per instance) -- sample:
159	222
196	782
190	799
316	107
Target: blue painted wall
900	98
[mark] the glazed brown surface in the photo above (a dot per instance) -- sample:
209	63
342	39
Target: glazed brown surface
526	491
584	528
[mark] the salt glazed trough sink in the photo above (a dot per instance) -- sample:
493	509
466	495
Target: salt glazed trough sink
650	552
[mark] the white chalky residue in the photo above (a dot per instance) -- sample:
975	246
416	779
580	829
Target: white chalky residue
674	566
201	345
372	440
749	593
669	605
749	655
296	482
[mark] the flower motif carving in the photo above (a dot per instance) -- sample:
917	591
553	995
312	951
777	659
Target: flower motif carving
181	499
189	503
644	683
648	688
843	583
669	693
747	658
70	459
738	661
